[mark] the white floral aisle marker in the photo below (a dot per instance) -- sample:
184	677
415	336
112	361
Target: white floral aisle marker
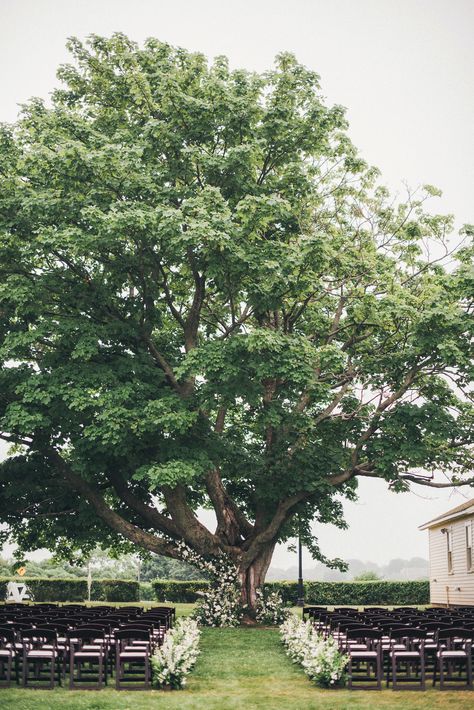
173	661
320	658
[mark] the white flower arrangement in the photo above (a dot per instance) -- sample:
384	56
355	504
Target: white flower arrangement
220	605
320	658
270	608
172	661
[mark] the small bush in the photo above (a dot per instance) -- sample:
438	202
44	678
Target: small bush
3	588
171	590
271	608
288	591
115	590
146	592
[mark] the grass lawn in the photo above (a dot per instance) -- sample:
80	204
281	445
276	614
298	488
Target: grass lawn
241	669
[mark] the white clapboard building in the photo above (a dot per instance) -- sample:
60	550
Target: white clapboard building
451	556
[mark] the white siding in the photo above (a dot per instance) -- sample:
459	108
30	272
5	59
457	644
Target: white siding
458	587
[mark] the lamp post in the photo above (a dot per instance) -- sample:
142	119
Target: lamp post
89	581
300	601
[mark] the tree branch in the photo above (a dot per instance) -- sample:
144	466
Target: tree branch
189	526
163	363
148	513
418	479
270	532
109	516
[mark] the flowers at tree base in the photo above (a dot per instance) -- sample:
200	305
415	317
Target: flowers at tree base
270	608
320	658
172	662
221	604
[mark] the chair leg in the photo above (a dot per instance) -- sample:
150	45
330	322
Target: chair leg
24	671
469	670
147	671
17	671
101	671
379	671
394	672
71	671
7	671
441	673
387	668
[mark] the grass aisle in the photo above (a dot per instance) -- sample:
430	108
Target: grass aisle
239	669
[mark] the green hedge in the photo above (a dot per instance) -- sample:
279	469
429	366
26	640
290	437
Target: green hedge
287	590
367	593
146	591
3	588
115	590
173	590
75	590
323	593
43	589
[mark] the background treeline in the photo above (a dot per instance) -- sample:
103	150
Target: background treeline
102	566
396	569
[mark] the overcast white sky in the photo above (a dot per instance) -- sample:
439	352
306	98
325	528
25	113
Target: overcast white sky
403	69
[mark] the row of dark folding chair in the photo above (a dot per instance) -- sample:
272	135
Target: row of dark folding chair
88	650
91	643
405	641
405	656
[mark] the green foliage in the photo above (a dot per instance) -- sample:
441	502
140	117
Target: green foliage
368	576
146	591
3	588
171	590
159	567
5	568
115	590
104	567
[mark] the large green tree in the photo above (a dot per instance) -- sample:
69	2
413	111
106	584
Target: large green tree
207	301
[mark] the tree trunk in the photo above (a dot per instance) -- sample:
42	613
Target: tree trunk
252	578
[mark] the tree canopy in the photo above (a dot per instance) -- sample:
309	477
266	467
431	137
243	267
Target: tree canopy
208	300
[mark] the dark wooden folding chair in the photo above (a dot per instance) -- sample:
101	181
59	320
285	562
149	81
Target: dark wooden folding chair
87	656
40	655
363	646
8	656
454	650
133	668
408	663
